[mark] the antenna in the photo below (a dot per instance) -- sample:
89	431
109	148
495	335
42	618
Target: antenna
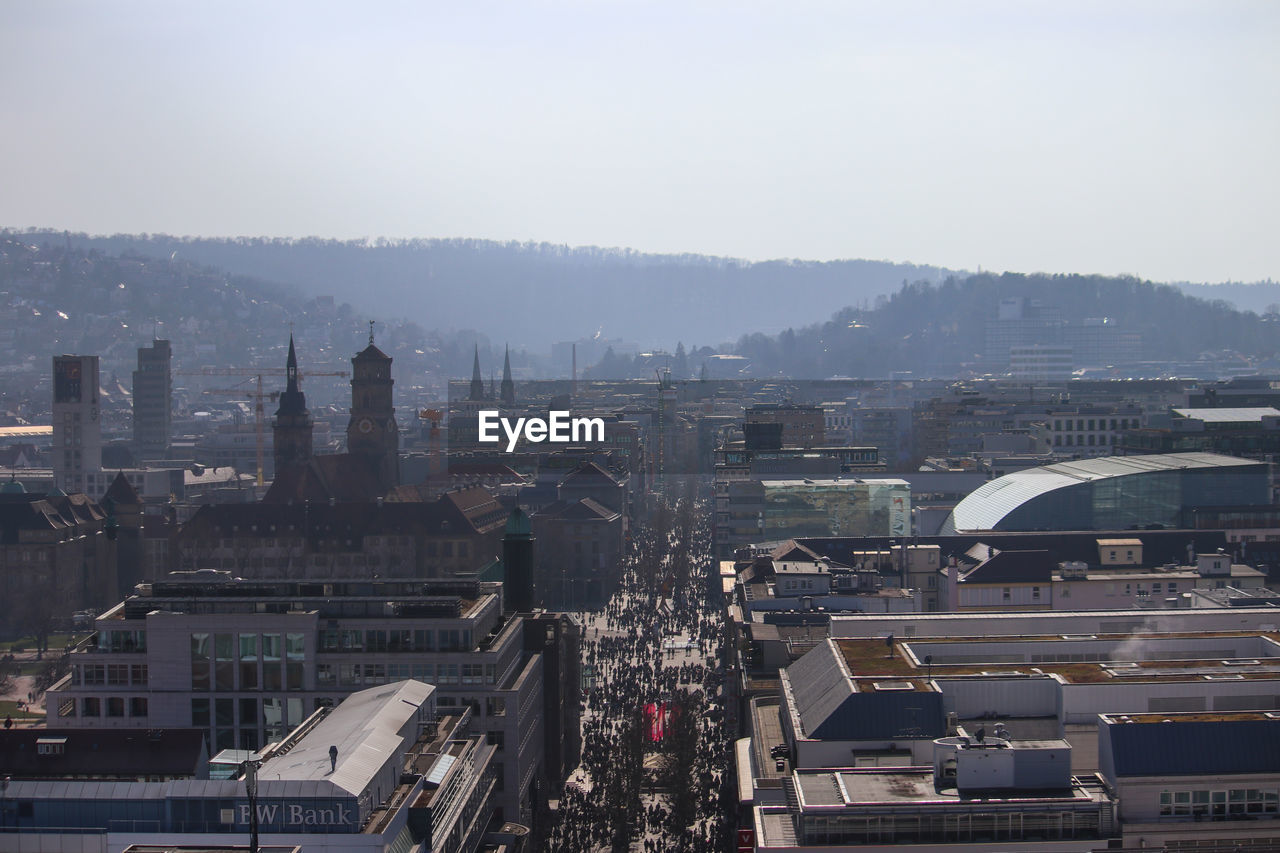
370	333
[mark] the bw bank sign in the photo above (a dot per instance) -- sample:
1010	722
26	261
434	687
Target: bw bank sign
298	816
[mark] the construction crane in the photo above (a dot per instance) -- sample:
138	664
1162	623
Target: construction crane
259	414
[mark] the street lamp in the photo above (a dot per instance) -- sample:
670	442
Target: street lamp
251	766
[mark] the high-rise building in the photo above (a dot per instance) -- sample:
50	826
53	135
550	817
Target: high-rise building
77	432
152	400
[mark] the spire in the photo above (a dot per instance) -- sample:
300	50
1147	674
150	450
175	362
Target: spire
291	369
292	401
477	381
508	386
370	333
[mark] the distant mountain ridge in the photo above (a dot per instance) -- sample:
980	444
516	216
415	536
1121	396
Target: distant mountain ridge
537	294
939	330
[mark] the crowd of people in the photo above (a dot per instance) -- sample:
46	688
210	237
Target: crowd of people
654	754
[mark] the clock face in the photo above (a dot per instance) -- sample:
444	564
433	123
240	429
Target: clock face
365	425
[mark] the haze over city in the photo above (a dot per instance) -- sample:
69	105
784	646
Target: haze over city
585	426
1084	137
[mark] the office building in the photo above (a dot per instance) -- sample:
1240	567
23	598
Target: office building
248	661
152	401
385	770
77	431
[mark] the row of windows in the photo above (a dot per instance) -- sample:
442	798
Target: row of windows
1102	441
1094	424
356	674
275	715
253	660
114	674
123	641
433	547
1219	804
396	640
92	706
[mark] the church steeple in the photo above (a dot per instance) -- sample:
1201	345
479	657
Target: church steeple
291	431
508	386
291	370
477	381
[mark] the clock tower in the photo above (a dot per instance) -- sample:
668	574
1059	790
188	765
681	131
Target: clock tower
372	432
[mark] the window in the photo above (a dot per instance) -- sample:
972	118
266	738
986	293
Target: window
224	662
1006	594
1035	593
91	706
138	706
200	661
200	713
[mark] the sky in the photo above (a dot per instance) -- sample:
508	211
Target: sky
1094	137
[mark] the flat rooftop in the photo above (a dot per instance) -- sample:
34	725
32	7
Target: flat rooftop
849	787
1110	657
1191	717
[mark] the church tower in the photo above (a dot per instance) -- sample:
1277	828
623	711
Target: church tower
477	382
291	430
508	386
372	431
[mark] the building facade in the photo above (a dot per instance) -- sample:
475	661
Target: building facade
248	661
153	400
77	430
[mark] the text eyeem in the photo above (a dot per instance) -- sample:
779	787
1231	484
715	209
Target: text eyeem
557	428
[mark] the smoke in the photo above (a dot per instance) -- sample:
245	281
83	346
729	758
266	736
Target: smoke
1135	648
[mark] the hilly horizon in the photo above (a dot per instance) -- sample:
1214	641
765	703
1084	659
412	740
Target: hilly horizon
533	295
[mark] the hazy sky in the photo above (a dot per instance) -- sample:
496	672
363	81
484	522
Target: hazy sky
1070	137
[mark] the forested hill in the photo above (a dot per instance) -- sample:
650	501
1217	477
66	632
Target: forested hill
934	329
536	294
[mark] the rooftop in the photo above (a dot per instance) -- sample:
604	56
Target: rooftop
365	728
1228	415
869	660
991	502
905	786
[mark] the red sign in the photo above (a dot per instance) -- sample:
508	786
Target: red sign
746	840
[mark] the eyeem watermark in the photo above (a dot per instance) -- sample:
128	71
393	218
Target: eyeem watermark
557	428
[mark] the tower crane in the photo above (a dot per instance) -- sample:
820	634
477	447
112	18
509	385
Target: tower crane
254	374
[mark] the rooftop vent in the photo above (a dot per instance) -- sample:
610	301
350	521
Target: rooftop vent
894	685
1230	676
1249	662
1078	636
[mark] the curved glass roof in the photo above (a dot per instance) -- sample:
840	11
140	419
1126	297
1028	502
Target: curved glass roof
984	508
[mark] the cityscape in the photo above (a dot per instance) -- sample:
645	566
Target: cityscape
612	495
